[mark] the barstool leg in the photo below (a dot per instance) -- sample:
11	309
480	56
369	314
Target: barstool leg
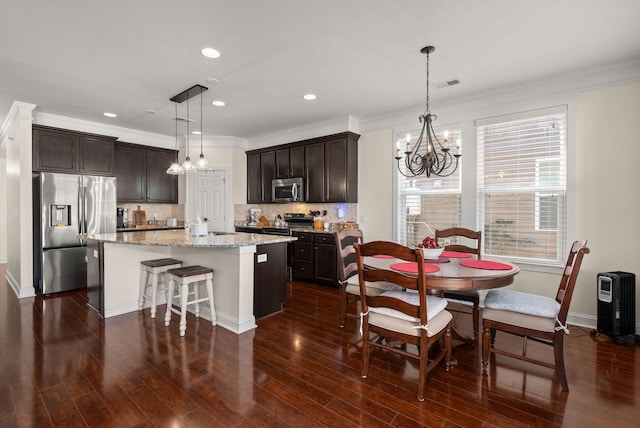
184	295
196	297
171	287
209	284
154	290
143	286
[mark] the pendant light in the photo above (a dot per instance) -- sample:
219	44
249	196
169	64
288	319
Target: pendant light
175	168
187	165
202	163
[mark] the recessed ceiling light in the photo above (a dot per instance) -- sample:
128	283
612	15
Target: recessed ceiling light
213	80
219	103
196	132
210	53
150	111
110	114
309	97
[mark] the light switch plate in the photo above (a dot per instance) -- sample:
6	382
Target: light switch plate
262	258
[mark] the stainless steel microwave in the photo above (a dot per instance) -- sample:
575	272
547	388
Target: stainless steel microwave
287	190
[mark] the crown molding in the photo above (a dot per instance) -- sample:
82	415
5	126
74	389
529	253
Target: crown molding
123	134
18	111
562	85
318	129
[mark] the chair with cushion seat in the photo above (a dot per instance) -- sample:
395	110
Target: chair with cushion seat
189	277
540	318
397	317
348	270
464	296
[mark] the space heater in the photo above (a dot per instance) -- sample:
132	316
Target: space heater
616	303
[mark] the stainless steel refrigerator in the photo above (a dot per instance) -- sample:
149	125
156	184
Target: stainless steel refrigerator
67	208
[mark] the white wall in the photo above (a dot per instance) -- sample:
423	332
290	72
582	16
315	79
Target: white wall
19	211
607	193
3	210
375	185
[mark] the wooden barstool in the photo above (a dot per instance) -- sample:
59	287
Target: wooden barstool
186	276
154	269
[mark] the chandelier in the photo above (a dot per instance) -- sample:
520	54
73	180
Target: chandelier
428	155
187	165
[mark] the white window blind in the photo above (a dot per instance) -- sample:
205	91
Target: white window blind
522	185
426	204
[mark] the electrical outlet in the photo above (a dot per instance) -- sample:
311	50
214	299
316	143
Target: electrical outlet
155	216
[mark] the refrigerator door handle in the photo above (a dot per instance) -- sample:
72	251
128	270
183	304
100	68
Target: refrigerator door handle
80	215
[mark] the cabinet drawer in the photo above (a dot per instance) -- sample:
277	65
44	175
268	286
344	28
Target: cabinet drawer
302	251
303	269
323	238
303	237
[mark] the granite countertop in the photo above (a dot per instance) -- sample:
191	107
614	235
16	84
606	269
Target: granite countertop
178	238
147	228
333	229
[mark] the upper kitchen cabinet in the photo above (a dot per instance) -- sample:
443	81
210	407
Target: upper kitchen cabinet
61	150
332	169
254	179
329	166
141	172
290	162
162	188
267	174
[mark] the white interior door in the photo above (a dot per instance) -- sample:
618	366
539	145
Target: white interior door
208	198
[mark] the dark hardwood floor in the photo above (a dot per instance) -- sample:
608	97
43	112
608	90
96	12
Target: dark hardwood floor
62	365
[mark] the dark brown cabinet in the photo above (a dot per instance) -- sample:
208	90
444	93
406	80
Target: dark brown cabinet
130	172
329	166
267	174
332	169
290	162
162	188
254	179
269	279
314	258
141	174
61	150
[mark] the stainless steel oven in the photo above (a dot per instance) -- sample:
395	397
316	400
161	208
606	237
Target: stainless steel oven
287	190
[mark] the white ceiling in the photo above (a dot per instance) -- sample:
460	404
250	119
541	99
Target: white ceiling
361	57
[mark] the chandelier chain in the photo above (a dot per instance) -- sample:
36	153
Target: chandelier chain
427	111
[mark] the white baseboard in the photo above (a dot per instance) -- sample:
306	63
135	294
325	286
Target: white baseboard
15	286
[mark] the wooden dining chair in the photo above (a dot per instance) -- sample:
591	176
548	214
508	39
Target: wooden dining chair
539	318
464	296
396	318
348	271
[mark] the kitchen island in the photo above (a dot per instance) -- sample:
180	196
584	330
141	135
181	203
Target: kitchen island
114	269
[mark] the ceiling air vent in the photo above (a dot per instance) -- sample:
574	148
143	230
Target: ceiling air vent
447	83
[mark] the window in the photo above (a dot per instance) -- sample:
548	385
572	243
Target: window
426	204
522	186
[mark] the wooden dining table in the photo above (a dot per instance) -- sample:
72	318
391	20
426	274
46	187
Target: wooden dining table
452	275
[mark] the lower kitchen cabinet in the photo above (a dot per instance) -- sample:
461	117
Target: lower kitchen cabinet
269	279
314	258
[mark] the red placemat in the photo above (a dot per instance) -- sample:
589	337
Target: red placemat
456	255
412	267
383	256
485	264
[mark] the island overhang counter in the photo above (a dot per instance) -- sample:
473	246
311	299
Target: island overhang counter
114	269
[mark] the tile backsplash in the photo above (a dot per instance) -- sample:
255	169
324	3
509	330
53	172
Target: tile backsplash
335	212
163	211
